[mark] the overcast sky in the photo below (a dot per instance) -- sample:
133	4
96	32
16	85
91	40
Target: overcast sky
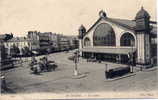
64	16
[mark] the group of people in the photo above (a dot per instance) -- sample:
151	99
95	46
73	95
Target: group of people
42	66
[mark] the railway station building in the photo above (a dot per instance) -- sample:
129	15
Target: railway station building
120	40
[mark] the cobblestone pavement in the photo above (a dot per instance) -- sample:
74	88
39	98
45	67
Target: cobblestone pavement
20	79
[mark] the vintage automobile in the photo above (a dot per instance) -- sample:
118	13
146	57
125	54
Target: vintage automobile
52	65
38	67
35	68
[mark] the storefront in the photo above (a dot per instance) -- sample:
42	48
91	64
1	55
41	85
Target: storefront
118	55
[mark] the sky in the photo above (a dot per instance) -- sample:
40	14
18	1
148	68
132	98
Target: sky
64	16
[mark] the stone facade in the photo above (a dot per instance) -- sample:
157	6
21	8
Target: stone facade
20	42
143	36
40	41
34	38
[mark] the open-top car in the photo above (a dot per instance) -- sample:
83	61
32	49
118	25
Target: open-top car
52	65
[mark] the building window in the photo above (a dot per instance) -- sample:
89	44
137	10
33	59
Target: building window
127	39
153	40
104	35
86	42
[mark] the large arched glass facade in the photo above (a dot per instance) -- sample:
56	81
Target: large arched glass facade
127	39
86	42
104	35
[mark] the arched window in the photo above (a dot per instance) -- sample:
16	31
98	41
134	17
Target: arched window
127	39
104	35
86	42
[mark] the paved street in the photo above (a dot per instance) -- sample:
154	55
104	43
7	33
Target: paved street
21	80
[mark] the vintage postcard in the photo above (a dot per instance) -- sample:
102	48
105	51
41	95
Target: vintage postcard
77	49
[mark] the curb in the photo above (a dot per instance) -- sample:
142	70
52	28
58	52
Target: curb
79	76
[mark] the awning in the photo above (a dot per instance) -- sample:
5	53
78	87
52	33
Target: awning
115	50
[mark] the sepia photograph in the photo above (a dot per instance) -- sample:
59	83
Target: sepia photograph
78	49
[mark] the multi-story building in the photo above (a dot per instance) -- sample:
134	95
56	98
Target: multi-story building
50	42
18	42
63	42
34	40
112	38
73	40
40	42
3	53
54	39
45	41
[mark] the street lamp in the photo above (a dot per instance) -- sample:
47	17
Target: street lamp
75	61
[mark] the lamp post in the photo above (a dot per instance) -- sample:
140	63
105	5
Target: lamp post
76	73
75	61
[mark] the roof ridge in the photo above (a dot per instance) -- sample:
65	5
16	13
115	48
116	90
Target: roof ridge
113	20
94	24
119	18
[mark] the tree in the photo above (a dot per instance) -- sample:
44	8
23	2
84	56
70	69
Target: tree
3	52
8	37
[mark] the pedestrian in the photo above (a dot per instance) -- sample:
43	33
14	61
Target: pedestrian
41	64
33	61
106	71
3	84
45	63
36	68
106	67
